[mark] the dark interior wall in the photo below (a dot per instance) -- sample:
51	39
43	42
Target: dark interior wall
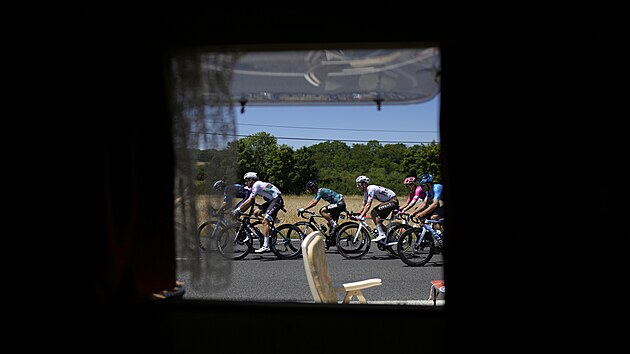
517	107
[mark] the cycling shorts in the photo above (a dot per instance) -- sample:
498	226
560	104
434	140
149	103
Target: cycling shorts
334	209
386	208
439	211
272	207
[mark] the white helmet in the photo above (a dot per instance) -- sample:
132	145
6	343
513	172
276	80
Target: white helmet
363	179
250	175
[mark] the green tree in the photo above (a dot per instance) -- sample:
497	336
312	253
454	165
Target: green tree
329	154
280	169
304	168
213	165
420	159
254	152
333	163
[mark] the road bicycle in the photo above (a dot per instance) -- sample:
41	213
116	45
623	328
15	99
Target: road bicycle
207	232
236	241
395	230
417	245
353	240
311	225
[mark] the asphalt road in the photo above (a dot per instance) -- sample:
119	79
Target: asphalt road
266	278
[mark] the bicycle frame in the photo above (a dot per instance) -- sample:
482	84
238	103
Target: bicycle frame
373	232
221	221
415	248
207	231
281	242
313	222
427	226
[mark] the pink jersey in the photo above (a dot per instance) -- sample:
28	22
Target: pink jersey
415	194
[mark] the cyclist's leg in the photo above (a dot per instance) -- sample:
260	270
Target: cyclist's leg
275	205
325	213
376	219
265	222
332	211
340	207
271	212
438	214
381	212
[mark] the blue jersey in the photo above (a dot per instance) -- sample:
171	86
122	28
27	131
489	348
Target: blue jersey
235	191
436	193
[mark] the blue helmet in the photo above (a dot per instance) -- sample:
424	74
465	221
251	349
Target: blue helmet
218	185
425	178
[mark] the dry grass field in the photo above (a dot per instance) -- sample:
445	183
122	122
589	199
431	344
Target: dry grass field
292	204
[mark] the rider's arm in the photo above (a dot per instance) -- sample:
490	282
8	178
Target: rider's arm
408	205
429	209
421	207
311	204
222	207
417	194
365	208
246	203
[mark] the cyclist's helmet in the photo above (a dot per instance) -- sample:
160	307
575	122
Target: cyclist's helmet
363	179
410	180
219	185
250	175
311	185
426	178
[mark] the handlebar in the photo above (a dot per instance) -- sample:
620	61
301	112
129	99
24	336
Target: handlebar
424	219
301	213
240	215
408	217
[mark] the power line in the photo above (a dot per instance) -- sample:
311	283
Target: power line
346	129
320	139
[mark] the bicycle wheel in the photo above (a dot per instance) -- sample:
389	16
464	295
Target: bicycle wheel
206	235
415	249
286	241
351	242
394	234
305	227
259	241
333	237
233	242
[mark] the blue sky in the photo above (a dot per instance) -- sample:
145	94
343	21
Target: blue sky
409	123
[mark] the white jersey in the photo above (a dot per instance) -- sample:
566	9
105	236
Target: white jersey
381	193
266	190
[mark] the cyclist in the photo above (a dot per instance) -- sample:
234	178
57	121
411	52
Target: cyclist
433	204
229	193
386	196
415	193
330	212
273	203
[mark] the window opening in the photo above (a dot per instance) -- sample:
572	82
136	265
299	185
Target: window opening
310	116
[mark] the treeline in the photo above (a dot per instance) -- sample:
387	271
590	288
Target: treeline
333	163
